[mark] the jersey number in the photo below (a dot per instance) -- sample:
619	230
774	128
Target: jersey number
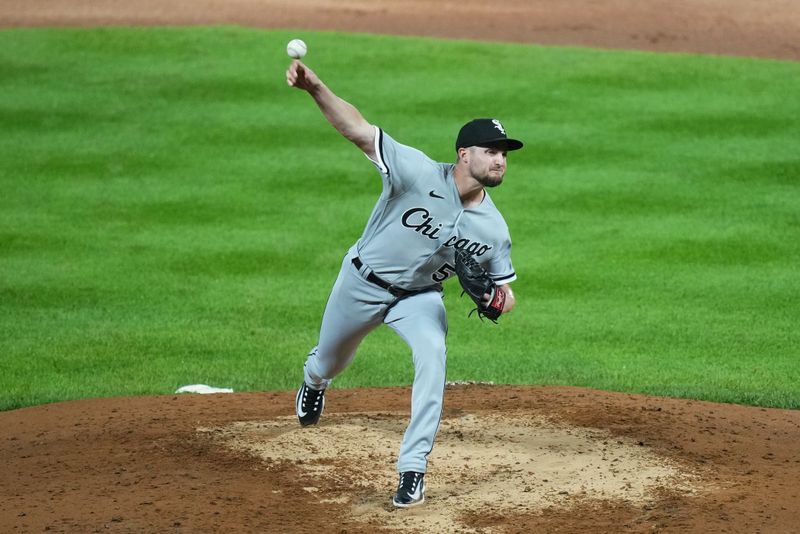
444	272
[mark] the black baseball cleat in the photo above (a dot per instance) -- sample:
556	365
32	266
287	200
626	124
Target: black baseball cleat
309	404
410	490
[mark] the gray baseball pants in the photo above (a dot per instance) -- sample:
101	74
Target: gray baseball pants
355	308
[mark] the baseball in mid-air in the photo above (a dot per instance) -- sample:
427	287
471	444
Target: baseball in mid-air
296	48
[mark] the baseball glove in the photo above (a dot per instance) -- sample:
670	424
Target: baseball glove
476	283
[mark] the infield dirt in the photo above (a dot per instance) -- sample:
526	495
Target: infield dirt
508	459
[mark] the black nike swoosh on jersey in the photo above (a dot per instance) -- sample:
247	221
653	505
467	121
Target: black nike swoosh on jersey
434	195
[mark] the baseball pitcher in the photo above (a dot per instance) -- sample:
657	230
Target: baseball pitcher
431	221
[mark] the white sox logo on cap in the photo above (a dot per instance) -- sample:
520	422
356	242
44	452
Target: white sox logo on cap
499	126
485	133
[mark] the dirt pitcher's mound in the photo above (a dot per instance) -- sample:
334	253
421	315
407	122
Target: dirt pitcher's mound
508	459
507	463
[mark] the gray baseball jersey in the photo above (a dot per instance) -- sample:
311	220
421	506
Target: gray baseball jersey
419	219
408	242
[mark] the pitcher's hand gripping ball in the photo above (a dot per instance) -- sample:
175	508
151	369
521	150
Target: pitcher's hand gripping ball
476	283
296	48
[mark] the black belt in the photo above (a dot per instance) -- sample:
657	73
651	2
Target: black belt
380	282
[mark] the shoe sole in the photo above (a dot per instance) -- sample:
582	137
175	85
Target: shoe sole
409	505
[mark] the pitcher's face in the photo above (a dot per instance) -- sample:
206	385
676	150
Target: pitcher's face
487	165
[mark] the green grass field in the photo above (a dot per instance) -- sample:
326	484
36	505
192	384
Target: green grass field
172	213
